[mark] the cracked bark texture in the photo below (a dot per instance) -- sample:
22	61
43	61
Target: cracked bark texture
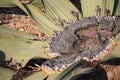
86	34
84	38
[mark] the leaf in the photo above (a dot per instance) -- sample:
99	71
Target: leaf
98	73
115	52
67	71
116	8
38	17
6	74
73	70
89	7
41	75
22	50
61	12
36	2
7	3
9	33
20	46
44	23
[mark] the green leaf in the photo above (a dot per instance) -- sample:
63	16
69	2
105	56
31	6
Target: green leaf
7	3
98	73
53	76
115	52
6	74
89	7
58	76
36	2
67	71
61	12
73	70
9	33
117	8
43	22
22	50
20	46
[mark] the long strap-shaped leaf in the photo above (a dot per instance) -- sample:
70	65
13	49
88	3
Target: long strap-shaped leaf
45	24
61	10
89	7
42	21
19	46
7	3
73	70
6	74
12	34
22	50
117	8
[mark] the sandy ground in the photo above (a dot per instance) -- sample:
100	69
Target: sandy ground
17	20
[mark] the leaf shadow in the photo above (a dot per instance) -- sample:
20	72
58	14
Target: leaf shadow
11	10
33	61
97	74
2	58
115	61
